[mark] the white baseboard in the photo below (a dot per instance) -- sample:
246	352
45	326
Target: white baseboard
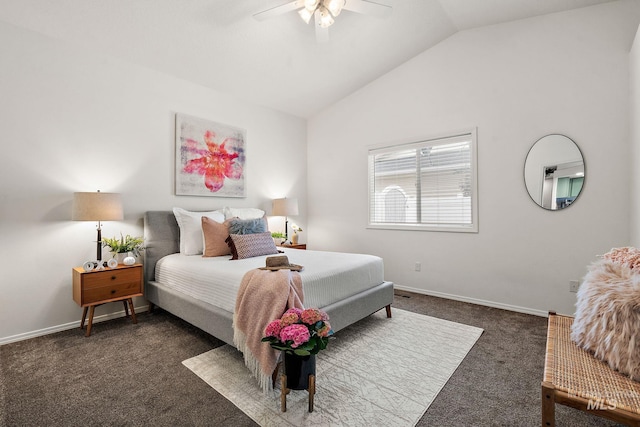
475	301
66	326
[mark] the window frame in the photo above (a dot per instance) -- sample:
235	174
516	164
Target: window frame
431	141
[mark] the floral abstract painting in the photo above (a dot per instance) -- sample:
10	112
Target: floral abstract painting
210	158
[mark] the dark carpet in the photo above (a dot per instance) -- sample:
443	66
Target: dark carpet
132	375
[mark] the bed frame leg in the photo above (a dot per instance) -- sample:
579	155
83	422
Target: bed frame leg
388	308
548	405
151	306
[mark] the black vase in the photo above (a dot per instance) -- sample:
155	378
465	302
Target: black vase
297	369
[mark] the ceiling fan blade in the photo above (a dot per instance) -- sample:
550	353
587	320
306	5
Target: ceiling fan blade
322	34
368	7
279	10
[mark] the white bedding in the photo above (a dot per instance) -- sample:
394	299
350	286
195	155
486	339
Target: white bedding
327	277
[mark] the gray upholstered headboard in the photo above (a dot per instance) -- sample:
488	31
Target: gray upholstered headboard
161	238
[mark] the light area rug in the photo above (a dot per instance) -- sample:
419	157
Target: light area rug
376	372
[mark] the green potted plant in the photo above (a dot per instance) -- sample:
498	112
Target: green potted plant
127	245
278	237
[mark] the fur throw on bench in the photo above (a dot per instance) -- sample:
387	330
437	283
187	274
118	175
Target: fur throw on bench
607	320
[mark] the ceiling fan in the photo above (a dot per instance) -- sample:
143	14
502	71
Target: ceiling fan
324	12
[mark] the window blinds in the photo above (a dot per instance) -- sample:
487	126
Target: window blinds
427	184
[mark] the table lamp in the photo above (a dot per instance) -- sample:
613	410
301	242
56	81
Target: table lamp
285	207
97	207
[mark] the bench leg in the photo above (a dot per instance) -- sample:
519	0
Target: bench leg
548	405
388	308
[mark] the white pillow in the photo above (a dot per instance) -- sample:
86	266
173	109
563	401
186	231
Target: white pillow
190	223
243	213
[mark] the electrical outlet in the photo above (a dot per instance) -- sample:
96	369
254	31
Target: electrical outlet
418	266
574	285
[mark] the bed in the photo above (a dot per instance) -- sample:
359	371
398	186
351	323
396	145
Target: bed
162	237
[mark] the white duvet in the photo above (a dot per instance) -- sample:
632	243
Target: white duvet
327	277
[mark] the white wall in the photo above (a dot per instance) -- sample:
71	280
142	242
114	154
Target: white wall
634	111
563	73
72	120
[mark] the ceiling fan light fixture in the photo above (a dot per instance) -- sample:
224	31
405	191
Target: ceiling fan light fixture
311	5
335	6
326	20
305	14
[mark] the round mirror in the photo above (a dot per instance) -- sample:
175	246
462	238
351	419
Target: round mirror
554	172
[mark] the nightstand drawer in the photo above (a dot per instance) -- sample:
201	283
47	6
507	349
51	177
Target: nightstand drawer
114	290
97	287
111	278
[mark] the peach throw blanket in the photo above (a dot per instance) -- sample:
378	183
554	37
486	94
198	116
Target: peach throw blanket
263	296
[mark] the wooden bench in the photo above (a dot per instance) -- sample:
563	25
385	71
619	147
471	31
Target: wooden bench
573	377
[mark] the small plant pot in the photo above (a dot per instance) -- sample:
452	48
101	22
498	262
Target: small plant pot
297	369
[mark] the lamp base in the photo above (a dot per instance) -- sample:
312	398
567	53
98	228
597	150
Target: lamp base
99	245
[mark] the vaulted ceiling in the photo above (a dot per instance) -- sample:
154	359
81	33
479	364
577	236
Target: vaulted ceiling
277	62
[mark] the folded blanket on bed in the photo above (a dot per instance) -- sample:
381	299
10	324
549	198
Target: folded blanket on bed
263	296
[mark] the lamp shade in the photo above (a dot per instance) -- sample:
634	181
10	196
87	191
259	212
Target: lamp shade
284	207
97	207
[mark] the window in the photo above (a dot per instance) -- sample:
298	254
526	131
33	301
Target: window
425	185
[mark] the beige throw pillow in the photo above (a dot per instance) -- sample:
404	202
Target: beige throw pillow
215	236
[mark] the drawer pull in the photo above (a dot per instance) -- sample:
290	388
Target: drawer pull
113	291
113	277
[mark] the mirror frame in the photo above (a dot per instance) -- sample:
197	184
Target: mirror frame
536	185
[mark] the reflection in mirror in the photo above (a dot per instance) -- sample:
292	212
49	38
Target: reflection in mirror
554	172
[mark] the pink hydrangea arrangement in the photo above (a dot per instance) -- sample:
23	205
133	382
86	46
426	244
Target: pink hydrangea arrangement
300	332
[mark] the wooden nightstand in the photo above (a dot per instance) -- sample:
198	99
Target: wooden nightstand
93	288
298	246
